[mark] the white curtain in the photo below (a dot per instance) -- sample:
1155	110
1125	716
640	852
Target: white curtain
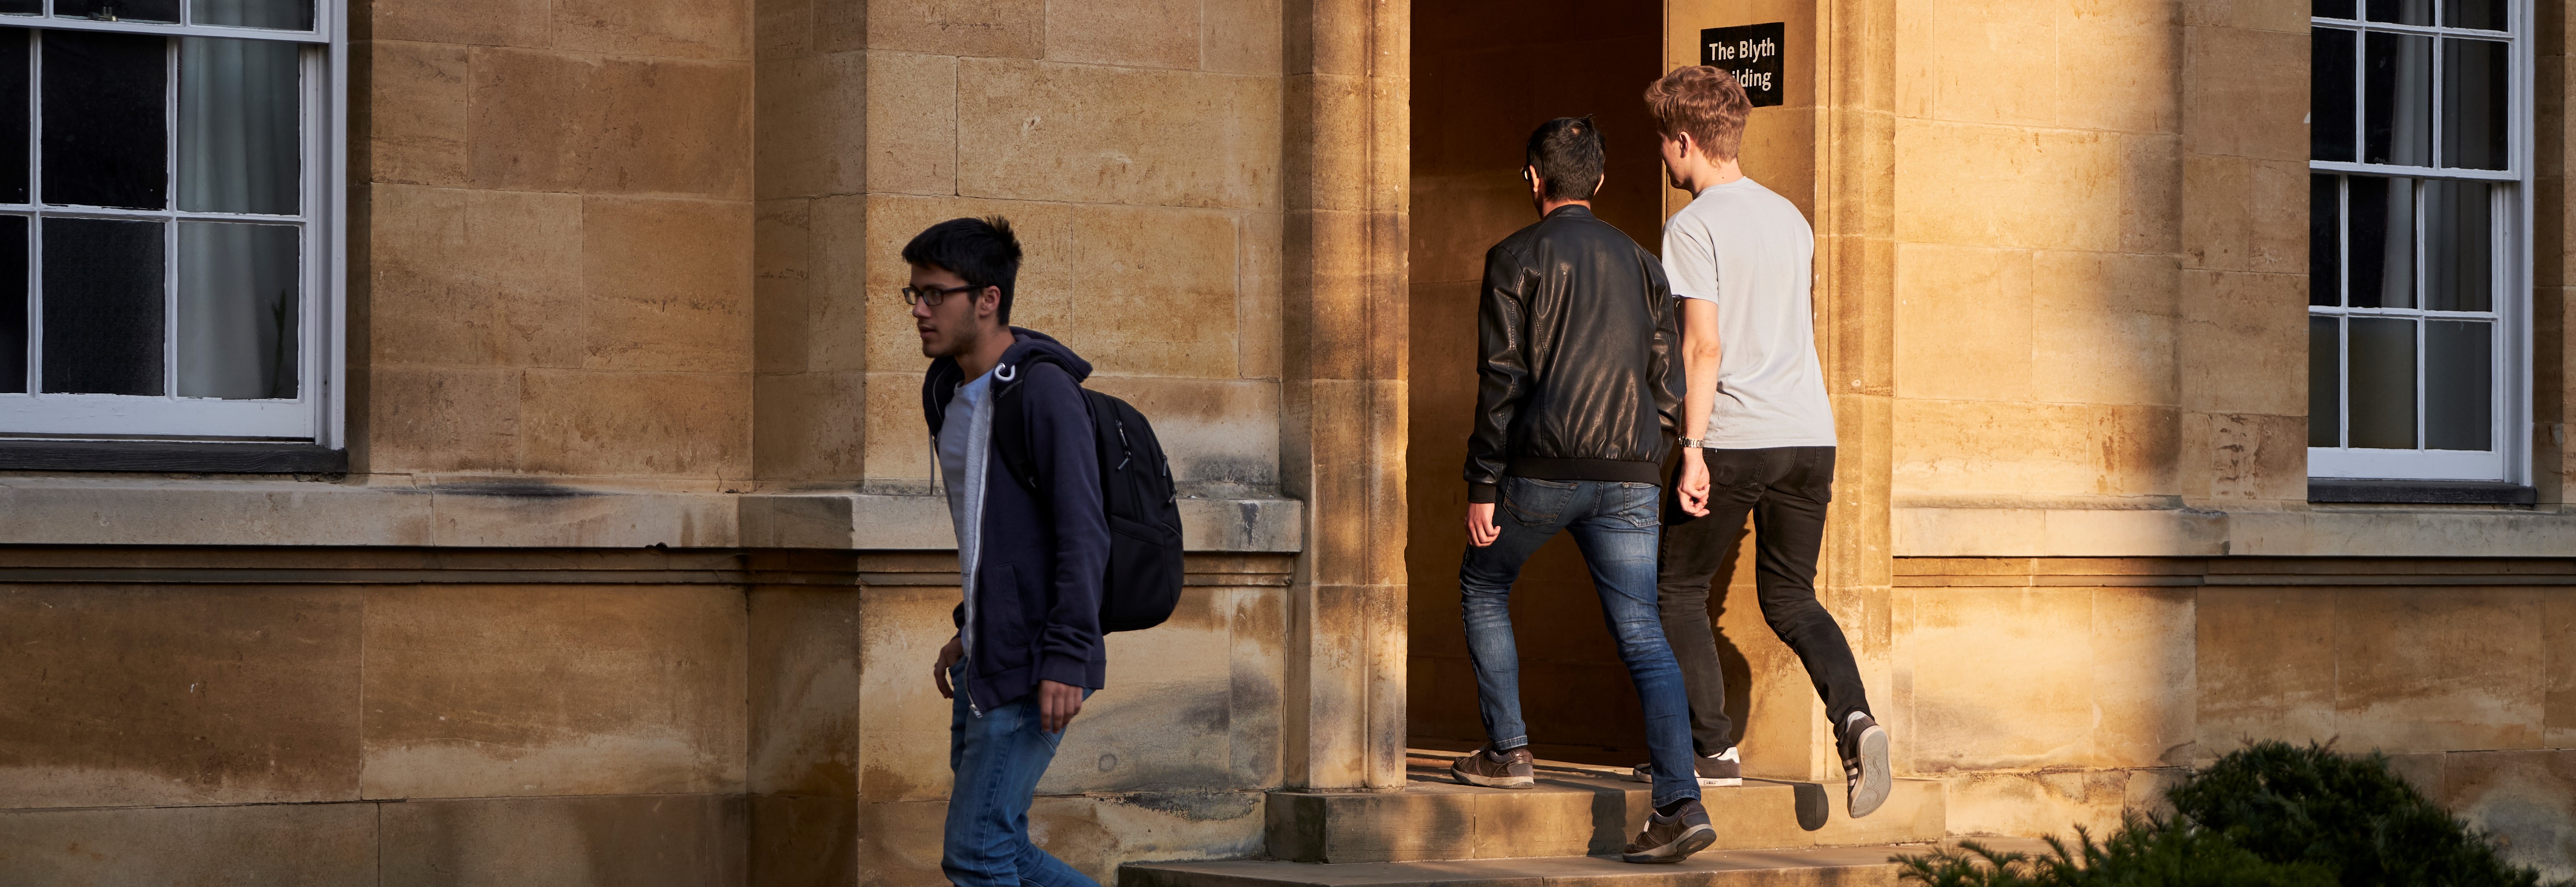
239	152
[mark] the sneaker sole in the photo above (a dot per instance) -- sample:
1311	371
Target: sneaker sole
1876	782
1466	778
1693	841
1704	781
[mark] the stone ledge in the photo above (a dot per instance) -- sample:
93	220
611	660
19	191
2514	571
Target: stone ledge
881	522
2183	532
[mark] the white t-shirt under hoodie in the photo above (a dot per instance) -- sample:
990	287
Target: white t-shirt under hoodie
1749	250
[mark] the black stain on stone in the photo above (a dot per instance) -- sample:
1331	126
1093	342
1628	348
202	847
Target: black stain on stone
1197	806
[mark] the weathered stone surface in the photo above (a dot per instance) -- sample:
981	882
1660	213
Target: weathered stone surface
676	840
912	113
483	691
995	28
576	422
2558	639
799	841
1995	447
899	841
433	418
2052	802
415	120
811	125
2438	669
1135	33
1050	131
2026	678
163	694
2524	798
666	284
2266	666
473	22
677	30
228	846
804	689
519	304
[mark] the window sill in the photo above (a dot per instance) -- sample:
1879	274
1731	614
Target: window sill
157	456
2418	492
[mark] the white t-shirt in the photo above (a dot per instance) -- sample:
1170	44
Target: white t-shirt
1749	250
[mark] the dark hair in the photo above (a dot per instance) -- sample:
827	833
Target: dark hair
981	252
1567	152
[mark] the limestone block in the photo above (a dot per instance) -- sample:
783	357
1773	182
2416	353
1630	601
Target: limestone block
783	267
899	841
2558	636
1333	161
1972	447
2266	662
1260	278
1963	323
839	303
897	438
1987	58
810	426
674	30
2013	187
682	424
481	512
556	121
2435	669
1164	720
2245	214
2524	798
2381	534
497	691
2027	678
782	28
911	139
1241	36
2114	66
1219	432
1154	292
166	694
519	303
2102	328
1257	635
2244	458
2053	802
443	418
2253	14
2150	180
982	28
531	115
2247	90
667	284
651	840
415	112
1050	131
472	22
798	841
212	846
38	511
903	722
811	122
1135	33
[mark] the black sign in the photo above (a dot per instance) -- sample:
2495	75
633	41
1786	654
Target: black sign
1752	54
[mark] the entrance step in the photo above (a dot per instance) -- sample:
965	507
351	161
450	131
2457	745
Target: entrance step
1575	811
1865	866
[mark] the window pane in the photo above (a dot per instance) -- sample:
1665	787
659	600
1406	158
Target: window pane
2474	106
2482	14
14	108
2459	246
2325	383
103	309
119	10
22	7
2325	240
2397	100
2459	383
2331	95
13	304
238	310
238	123
2382	243
291	15
2404	12
106	137
2383	383
2332	9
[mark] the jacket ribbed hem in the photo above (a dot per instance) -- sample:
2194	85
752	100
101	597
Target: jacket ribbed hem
1586	469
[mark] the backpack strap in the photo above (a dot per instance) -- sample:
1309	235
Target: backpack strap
1011	422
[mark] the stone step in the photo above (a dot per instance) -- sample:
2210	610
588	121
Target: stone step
1863	866
1575	811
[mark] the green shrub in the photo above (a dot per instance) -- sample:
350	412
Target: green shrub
2268	815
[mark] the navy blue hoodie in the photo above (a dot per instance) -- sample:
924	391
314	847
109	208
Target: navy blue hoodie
1034	563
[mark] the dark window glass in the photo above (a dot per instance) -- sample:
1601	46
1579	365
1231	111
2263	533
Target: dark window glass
2332	9
2482	14
119	10
2459	385
22	7
2397	99
238	126
2325	383
2404	12
237	310
14	108
290	15
2331	95
2325	240
2459	246
2382	243
106	139
2383	383
13	304
2474	104
103	306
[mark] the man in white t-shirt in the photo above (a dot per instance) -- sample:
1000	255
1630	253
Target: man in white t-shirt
1758	433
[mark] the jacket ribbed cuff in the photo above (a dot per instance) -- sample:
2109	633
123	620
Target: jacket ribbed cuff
1481	494
1064	670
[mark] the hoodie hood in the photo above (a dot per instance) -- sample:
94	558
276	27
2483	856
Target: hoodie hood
938	385
1031	343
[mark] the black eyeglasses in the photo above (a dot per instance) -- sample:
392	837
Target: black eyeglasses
915	295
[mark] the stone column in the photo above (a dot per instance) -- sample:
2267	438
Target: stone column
1343	410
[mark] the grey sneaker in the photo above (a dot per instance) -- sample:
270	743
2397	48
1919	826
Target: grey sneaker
1511	769
1721	770
1863	744
1674	838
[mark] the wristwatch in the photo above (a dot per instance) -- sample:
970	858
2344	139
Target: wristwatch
1694	443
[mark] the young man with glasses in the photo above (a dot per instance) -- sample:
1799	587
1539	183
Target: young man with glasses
1027	650
1577	385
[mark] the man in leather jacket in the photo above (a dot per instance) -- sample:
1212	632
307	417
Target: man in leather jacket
1578	383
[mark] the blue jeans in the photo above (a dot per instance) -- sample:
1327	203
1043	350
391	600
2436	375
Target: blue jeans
1616	525
997	759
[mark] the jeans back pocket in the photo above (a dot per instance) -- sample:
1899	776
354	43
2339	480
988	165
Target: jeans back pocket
1536	503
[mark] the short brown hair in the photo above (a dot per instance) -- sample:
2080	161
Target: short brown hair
1705	103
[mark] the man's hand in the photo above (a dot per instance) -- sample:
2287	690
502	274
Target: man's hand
1057	704
948	656
1481	530
1692	489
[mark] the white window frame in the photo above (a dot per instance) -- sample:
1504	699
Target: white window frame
2510	414
317	414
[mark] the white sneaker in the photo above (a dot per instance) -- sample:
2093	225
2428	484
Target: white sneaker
1721	770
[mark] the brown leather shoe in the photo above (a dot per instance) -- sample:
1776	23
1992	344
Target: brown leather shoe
1672	839
1511	769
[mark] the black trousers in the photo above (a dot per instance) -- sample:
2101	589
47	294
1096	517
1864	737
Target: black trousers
1786	490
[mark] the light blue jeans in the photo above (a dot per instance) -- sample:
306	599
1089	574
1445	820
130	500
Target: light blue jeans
997	759
1616	525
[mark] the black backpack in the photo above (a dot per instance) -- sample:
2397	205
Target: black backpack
1144	580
